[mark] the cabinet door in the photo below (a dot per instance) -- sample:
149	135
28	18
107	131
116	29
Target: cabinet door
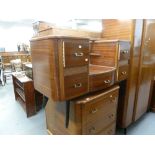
147	64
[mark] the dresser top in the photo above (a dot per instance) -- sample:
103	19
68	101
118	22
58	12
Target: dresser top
58	37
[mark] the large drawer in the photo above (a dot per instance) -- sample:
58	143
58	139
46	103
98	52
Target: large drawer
101	81
123	72
75	85
75	53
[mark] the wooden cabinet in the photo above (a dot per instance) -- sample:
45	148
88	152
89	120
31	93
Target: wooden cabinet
146	69
112	53
91	114
24	93
60	66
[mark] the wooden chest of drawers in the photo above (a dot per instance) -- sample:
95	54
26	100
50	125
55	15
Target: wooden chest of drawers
60	66
91	114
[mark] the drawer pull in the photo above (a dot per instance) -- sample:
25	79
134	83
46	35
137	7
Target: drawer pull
80	46
125	52
123	73
111	116
107	81
78	85
94	111
92	129
78	54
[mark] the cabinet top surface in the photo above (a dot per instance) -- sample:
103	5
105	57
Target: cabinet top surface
21	77
90	97
96	69
102	40
58	37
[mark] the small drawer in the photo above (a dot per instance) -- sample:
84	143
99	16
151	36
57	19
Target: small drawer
75	53
124	51
109	130
75	85
123	72
100	81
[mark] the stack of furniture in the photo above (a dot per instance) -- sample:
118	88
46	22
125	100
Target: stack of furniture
80	83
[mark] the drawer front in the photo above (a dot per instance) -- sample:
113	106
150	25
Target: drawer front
124	51
100	112
75	85
99	82
123	72
76	53
109	130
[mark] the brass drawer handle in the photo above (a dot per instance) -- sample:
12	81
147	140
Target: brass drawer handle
125	52
78	85
78	54
123	73
107	81
111	116
94	111
92	129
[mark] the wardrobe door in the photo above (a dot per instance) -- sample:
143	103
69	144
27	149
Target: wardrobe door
147	61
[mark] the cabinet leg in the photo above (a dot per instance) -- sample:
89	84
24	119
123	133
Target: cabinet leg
125	131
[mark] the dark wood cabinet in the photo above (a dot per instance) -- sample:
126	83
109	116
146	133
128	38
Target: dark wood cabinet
24	93
89	115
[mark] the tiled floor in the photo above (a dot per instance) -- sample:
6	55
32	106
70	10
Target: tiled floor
13	120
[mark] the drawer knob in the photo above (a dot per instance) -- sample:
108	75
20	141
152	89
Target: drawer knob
107	81
123	73
92	129
80	46
86	59
125	52
94	111
78	85
78	54
111	96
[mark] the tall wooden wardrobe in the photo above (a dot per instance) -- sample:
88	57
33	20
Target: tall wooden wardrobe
135	92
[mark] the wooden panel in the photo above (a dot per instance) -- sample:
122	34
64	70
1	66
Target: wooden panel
117	29
128	88
44	62
106	53
147	63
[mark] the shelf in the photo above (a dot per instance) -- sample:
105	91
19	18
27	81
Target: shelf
21	94
19	85
95	54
